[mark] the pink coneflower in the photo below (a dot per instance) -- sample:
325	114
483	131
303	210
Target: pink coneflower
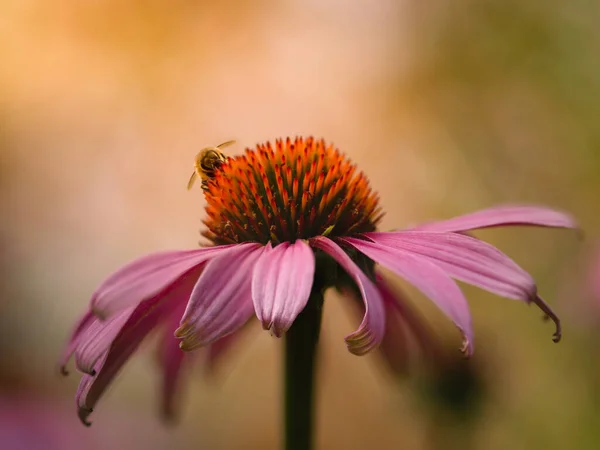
286	222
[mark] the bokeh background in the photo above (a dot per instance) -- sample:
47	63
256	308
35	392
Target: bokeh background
447	107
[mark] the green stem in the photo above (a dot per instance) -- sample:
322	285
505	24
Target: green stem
300	361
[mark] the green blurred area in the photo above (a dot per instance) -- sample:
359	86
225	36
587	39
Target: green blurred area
448	107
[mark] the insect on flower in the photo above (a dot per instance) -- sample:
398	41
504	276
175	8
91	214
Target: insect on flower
283	221
207	162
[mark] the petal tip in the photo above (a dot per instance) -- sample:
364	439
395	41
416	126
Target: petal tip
184	330
83	414
360	345
357	350
185	346
86	367
549	314
191	343
278	333
467	348
275	328
87	370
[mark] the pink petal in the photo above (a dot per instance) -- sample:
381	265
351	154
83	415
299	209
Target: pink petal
465	258
428	278
472	261
97	338
140	323
172	361
85	406
82	325
100	334
281	284
395	344
372	328
221	301
503	216
91	387
401	319
146	277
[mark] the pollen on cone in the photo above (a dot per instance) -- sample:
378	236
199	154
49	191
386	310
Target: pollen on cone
293	190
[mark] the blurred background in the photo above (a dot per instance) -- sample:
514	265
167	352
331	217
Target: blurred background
447	106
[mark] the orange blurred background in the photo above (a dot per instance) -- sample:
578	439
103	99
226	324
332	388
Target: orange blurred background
447	108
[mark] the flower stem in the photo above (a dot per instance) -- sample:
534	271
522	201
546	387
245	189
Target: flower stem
300	361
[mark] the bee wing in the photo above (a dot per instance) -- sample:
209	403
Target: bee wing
192	179
225	144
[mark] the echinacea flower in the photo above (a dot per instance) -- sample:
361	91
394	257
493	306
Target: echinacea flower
283	221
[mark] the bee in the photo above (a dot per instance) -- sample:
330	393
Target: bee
207	162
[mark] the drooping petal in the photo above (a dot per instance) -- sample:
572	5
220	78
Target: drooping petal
465	258
403	321
472	261
503	216
394	345
172	361
372	328
86	402
221	301
549	314
146	277
101	334
132	334
281	284
82	325
145	317
428	278
91	388
97	338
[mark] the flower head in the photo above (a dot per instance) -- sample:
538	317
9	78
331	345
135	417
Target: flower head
284	220
294	190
